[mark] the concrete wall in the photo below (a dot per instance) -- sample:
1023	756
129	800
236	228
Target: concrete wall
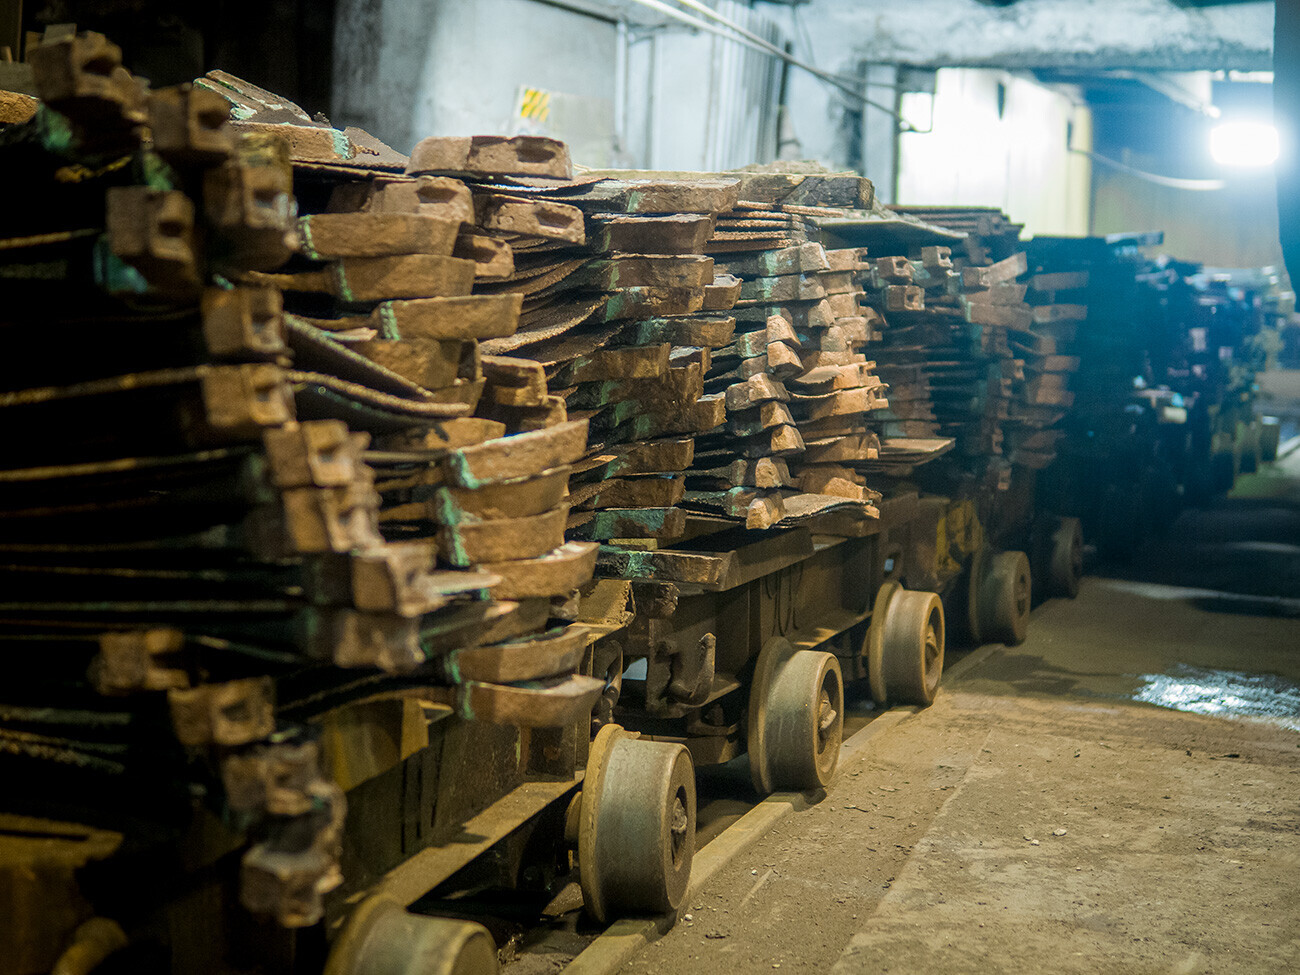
854	37
649	92
644	93
697	101
1149	34
1001	141
406	69
1232	227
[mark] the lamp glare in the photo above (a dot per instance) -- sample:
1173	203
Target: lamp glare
1244	144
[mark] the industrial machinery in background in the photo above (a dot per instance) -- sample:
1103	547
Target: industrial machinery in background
386	536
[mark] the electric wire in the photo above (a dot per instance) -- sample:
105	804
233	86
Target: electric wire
1173	182
740	35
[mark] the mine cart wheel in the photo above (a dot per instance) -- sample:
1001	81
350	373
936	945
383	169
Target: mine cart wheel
911	648
636	836
961	609
804	721
383	938
1004	597
971	583
1066	566
1249	462
771	659
1247	448
876	639
1268	439
1223	471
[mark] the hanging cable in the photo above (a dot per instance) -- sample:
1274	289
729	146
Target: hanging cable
1173	182
734	32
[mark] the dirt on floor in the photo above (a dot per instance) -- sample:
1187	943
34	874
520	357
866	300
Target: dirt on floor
1044	815
994	833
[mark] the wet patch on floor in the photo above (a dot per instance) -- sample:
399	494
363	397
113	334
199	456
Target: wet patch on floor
1212	600
1224	693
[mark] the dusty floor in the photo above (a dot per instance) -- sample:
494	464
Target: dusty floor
1040	817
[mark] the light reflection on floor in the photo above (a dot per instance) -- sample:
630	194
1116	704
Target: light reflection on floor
1224	693
1283	605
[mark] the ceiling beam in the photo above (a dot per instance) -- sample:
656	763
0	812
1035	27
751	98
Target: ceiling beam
1092	34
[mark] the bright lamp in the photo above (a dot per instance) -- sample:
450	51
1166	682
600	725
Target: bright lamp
1244	144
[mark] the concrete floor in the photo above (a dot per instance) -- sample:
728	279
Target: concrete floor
1121	793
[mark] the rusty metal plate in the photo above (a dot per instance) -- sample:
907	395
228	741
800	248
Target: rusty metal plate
554	574
502	539
536	705
325	236
558	651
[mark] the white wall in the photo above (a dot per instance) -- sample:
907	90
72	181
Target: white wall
1017	160
697	101
406	69
651	93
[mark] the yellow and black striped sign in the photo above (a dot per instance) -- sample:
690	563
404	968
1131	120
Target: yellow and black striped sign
534	104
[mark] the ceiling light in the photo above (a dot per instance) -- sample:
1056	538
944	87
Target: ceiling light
1244	144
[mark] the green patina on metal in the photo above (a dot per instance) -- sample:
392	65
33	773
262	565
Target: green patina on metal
462	701
650	518
342	144
388	321
213	84
636	563
156	173
616	305
649	425
459	556
448	511
625	410
113	274
341	278
53	128
463	474
304	228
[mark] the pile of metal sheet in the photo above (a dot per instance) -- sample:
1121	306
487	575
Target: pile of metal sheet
1166	353
997	379
1048	391
990	235
242	480
620	313
798	386
636	326
1086	292
385	297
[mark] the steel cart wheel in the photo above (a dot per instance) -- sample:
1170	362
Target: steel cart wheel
636	834
1004	597
909	662
973	580
1247	447
1269	435
796	718
383	938
805	721
1222	471
1065	568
